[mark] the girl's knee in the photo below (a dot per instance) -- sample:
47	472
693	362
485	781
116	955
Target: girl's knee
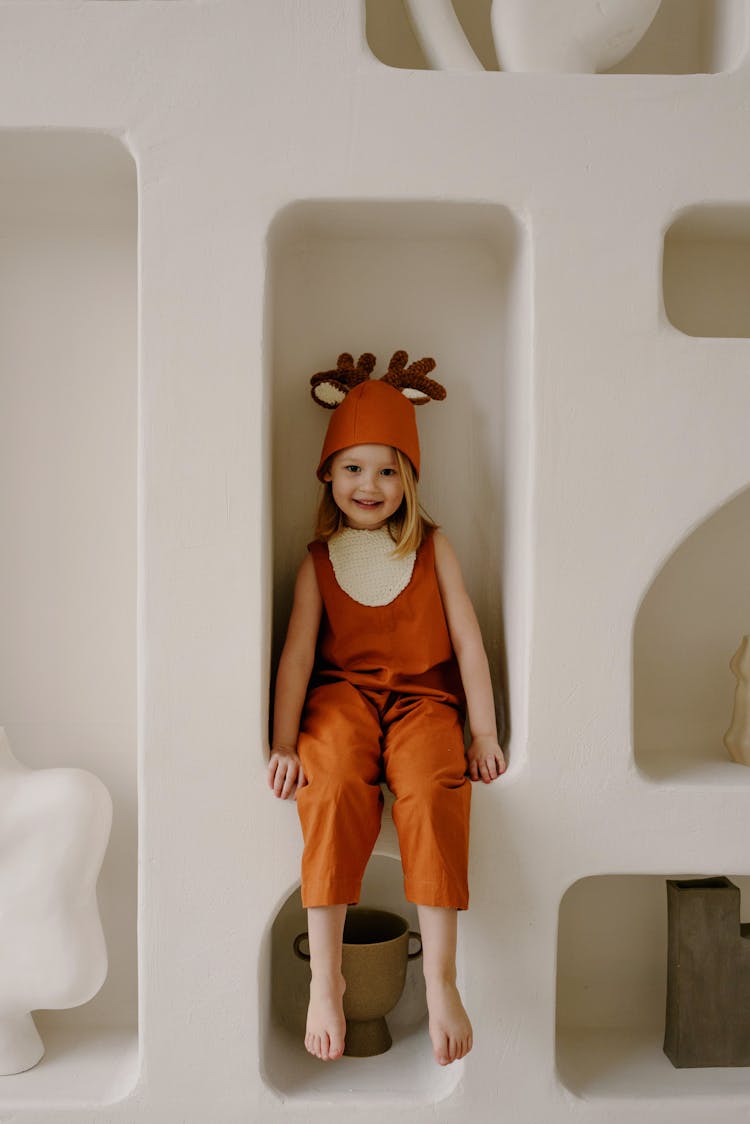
432	791
342	789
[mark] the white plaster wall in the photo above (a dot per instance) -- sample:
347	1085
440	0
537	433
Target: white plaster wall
232	111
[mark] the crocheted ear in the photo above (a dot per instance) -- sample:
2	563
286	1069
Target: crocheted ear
412	381
330	388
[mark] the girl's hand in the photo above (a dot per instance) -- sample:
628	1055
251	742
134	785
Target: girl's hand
285	773
485	757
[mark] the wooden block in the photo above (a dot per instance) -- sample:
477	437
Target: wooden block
708	975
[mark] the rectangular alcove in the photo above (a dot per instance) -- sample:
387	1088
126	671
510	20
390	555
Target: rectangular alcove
706	271
685	37
611	995
68	526
450	280
446	279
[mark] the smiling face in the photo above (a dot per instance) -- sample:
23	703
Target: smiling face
366	484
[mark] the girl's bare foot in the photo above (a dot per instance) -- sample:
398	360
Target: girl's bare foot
450	1029
326	1025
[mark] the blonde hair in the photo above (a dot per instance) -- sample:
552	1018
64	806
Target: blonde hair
408	527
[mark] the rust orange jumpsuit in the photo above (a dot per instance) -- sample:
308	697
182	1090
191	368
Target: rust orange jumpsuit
385	703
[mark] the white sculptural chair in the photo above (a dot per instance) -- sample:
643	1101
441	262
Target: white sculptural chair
54	830
581	36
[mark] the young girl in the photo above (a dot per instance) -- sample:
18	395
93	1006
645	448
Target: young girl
382	661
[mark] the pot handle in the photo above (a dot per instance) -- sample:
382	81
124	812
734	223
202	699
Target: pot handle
297	950
306	955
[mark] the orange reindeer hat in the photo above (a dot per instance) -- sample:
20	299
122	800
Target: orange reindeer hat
374	412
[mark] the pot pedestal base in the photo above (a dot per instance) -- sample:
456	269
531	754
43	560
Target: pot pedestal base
367	1038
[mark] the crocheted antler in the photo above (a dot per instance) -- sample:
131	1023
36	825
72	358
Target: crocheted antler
330	388
412	381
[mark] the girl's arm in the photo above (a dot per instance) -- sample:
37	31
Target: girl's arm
285	773
485	757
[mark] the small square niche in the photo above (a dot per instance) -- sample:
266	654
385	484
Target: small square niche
706	272
611	998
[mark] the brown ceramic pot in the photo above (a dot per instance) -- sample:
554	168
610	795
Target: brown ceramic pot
374	958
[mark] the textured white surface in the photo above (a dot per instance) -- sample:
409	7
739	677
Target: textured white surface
590	439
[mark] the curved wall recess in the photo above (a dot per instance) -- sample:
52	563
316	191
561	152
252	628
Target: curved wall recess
407	1073
68	563
611	994
706	271
685	37
689	625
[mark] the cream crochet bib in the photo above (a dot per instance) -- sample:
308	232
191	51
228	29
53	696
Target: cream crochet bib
365	568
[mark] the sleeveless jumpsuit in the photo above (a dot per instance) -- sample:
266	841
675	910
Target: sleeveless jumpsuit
385	703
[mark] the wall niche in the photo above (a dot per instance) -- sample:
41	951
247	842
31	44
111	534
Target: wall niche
68	527
406	1073
611	994
706	271
449	280
688	627
685	37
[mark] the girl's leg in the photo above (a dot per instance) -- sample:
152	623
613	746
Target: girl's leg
326	1027
450	1029
425	768
340	806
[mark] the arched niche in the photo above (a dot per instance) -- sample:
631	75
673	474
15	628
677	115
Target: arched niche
406	1075
689	624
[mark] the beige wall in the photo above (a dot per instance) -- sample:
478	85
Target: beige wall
591	460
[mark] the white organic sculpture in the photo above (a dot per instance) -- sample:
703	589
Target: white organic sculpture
441	36
54	829
737	737
577	36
